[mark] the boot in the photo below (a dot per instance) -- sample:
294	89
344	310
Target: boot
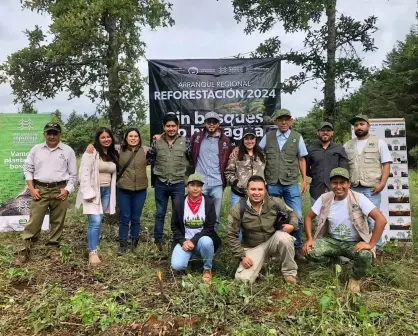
134	244
23	258
290	279
299	256
123	246
94	259
353	286
207	276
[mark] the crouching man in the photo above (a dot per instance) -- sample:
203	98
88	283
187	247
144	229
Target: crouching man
193	226
261	237
342	227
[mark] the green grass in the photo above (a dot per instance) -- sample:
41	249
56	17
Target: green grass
123	296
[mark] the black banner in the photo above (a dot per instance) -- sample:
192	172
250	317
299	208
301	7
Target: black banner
242	91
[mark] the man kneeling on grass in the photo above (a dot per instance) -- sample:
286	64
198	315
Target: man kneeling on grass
342	227
193	226
261	238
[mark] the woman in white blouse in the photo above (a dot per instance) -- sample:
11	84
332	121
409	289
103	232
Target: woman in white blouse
97	190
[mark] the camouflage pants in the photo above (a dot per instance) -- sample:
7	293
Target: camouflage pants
327	248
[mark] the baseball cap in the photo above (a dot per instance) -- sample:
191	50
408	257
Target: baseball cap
52	127
342	172
195	178
359	117
324	125
281	113
212	115
248	131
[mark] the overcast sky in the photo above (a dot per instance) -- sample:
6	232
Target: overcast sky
207	29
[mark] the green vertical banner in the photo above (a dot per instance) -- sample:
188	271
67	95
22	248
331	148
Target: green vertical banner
19	133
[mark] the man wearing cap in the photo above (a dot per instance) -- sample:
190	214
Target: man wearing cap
211	149
342	228
285	157
51	173
323	157
193	227
369	161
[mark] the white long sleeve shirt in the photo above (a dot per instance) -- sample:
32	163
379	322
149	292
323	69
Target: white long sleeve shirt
50	165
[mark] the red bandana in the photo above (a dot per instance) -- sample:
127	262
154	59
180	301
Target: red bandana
194	205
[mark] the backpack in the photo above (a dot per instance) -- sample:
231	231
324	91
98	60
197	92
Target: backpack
282	216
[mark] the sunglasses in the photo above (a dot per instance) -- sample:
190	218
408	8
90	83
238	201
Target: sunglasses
212	121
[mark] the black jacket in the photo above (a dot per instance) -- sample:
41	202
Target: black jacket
177	223
319	164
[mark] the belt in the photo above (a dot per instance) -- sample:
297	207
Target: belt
50	184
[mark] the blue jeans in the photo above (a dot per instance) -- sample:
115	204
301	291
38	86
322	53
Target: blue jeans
131	204
95	221
291	195
376	199
215	193
204	249
234	199
162	193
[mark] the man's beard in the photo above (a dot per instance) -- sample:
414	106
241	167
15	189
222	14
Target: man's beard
211	132
328	139
361	133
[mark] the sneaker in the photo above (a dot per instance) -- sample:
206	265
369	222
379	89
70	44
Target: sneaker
290	279
299	256
94	259
353	286
207	276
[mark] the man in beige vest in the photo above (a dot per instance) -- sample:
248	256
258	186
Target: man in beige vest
369	165
342	228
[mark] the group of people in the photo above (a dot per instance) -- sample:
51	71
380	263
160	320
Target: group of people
265	218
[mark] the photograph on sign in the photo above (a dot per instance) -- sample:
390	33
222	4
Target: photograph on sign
20	132
395	199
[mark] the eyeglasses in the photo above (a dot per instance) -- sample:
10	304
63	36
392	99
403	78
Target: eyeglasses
52	133
212	121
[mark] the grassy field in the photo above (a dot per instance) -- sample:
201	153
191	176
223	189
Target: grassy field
63	296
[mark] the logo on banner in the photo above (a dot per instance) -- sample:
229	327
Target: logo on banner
223	70
193	70
25	125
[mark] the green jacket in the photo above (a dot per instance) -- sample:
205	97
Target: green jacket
282	166
256	228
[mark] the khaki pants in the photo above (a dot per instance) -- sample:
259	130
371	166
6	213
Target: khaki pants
281	244
57	211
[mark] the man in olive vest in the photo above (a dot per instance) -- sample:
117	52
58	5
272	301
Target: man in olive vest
170	156
285	158
342	228
369	161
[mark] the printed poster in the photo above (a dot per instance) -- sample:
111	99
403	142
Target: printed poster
19	133
395	204
244	92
